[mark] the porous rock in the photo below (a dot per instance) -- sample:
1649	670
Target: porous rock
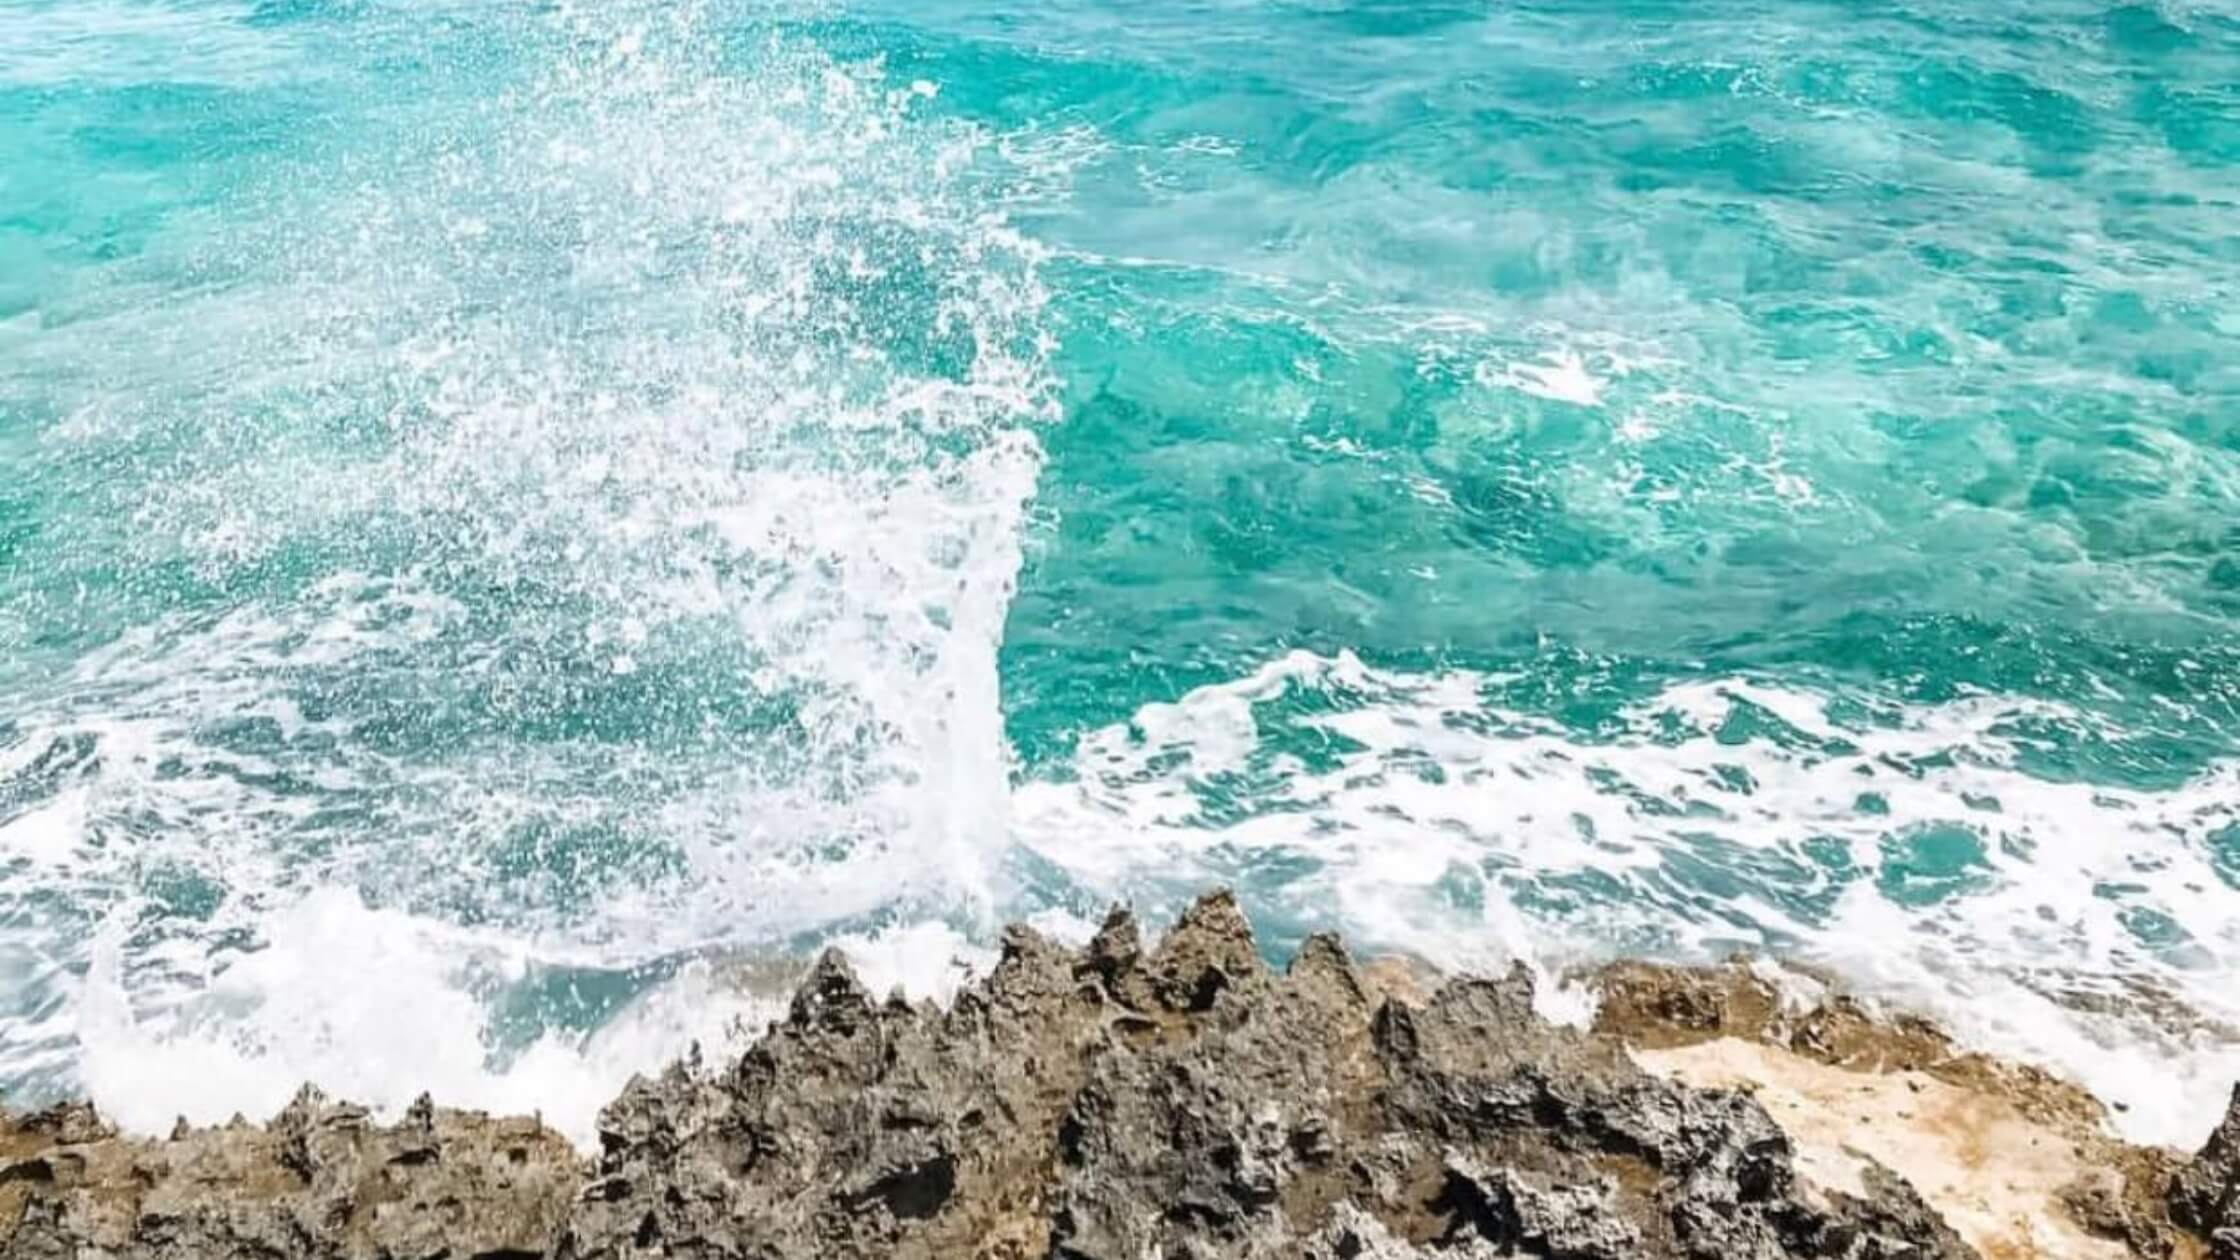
1187	1101
1108	1103
320	1180
2205	1193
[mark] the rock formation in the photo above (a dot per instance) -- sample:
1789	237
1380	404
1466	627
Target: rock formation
320	1180
2205	1194
1115	1102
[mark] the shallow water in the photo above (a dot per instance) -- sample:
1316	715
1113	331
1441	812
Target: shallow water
505	506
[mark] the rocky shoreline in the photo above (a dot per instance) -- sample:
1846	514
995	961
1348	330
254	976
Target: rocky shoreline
1124	1101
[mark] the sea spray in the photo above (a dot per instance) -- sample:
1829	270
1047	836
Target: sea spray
668	362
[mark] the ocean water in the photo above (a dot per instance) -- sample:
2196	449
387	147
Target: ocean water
510	511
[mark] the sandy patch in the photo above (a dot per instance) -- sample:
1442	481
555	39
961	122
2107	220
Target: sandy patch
1995	1174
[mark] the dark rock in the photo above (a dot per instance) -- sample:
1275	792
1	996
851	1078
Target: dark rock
1109	1103
1189	1102
2205	1193
320	1180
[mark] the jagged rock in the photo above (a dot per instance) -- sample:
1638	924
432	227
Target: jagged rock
1109	1103
320	1180
1190	1102
2205	1193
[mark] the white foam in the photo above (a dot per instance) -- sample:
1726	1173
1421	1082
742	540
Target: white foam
622	373
1467	833
414	1015
1560	375
50	836
673	356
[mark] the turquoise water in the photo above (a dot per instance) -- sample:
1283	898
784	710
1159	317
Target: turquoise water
505	507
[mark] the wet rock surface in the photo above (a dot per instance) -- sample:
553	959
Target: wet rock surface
1115	1102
